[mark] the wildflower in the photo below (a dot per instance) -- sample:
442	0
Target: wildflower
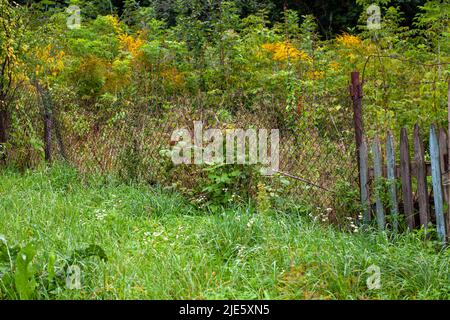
315	75
147	236
349	40
130	44
114	21
100	215
285	50
334	66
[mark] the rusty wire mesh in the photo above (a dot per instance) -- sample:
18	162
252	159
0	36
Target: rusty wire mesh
316	149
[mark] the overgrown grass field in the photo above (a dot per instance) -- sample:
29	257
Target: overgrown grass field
158	246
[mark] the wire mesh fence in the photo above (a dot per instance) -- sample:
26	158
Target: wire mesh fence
316	151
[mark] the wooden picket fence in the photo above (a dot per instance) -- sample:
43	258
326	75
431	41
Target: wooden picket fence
413	203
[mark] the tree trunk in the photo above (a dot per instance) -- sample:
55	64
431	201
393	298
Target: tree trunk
3	133
3	125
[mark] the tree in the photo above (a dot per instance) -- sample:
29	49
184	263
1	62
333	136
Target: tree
11	33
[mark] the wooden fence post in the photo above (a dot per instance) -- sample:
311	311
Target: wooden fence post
422	193
356	94
442	157
361	146
364	180
405	168
437	184
391	173
448	152
378	174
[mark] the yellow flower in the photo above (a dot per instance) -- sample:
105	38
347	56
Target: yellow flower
351	56
334	66
114	21
315	75
130	44
282	51
348	40
47	57
271	47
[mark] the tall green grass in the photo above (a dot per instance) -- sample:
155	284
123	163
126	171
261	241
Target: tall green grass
160	247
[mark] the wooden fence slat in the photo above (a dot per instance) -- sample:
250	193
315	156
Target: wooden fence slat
422	192
437	184
364	180
390	156
442	158
405	169
356	94
448	152
376	151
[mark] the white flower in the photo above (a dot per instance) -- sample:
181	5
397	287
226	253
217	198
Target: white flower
100	215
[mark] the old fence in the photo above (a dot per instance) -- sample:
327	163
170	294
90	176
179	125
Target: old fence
422	199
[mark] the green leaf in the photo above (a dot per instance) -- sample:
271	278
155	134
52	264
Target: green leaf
24	273
51	267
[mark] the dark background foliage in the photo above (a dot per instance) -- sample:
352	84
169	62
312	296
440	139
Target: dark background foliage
333	16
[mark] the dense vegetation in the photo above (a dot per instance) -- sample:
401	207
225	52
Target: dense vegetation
88	102
107	94
134	242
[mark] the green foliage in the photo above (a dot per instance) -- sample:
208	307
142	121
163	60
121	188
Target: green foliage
181	253
92	250
226	184
347	205
262	199
117	83
22	278
24	275
218	58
